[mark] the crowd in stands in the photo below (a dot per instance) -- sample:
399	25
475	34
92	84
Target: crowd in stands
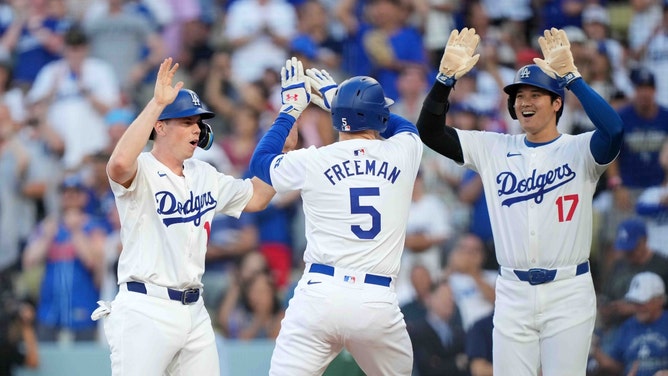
74	73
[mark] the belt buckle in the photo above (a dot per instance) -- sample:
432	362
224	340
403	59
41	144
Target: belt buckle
188	293
537	276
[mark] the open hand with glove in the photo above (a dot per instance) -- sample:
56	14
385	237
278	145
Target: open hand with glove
458	58
295	88
323	88
557	59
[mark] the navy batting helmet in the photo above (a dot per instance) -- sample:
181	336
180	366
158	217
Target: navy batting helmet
360	104
187	103
532	75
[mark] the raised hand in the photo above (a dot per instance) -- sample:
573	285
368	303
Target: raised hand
323	87
458	56
295	88
558	59
164	93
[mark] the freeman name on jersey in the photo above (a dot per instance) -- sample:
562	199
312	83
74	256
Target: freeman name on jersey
350	168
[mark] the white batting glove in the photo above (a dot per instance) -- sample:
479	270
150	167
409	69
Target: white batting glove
458	56
295	88
323	87
558	62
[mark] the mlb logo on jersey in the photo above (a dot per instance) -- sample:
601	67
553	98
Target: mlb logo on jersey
349	278
359	152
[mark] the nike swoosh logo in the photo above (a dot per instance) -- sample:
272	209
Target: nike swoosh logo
312	282
512	154
162	174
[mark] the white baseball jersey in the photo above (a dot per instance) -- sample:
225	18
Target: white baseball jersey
349	192
539	198
166	220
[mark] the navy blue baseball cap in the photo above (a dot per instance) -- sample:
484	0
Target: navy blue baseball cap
642	77
629	233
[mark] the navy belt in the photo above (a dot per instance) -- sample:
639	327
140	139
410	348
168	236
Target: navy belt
538	276
185	297
372	279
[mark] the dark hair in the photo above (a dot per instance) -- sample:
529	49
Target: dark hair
75	36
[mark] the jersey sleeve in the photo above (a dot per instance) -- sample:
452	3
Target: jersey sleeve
288	171
233	194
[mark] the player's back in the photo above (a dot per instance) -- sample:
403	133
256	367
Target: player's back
356	196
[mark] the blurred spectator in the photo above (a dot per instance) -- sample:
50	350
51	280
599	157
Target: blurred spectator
314	36
126	40
559	14
259	32
230	240
435	19
637	165
438	339
516	16
427	229
11	95
353	16
412	90
184	15
470	192
239	144
653	207
471	285
645	18
78	90
391	43
641	347
422	282
221	93
118	120
18	342
35	38
14	166
654	55
251	309
479	346
275	236
70	247
195	52
637	257
596	26
100	196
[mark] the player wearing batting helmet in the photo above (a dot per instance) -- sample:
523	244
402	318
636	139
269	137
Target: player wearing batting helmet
539	187
356	194
158	324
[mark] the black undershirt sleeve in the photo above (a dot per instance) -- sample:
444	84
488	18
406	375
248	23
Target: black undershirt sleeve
431	125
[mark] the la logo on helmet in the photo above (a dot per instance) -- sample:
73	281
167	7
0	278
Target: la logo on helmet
525	72
195	99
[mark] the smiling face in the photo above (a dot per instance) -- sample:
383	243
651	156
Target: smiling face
537	113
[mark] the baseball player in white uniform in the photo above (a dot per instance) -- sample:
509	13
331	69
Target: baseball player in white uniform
157	324
539	187
356	194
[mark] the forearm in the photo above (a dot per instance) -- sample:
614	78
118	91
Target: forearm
123	160
431	124
270	146
607	138
31	346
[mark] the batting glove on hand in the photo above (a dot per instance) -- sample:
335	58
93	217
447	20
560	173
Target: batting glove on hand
458	56
323	87
558	62
295	88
